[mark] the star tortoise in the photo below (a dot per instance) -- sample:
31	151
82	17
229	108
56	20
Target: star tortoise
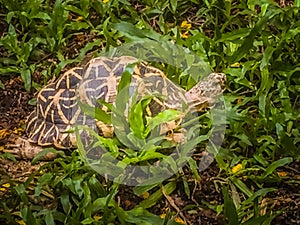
57	110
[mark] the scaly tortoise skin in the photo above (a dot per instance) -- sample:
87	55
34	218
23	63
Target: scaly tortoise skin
57	109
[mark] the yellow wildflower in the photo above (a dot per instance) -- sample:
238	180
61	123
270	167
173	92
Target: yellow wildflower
105	1
236	65
163	216
186	25
6	185
79	18
179	220
237	168
18	130
145	195
185	34
282	174
21	222
4	133
97	217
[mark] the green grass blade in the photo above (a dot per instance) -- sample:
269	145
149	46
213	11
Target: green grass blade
249	40
229	209
279	163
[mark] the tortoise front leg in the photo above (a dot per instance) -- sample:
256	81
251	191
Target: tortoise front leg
23	149
172	133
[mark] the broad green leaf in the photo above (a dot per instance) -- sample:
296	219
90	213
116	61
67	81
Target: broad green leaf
32	101
78	26
20	189
163	117
85	6
173	4
75	10
124	89
41	15
7	155
126	77
267	56
263	220
249	40
266	84
26	77
139	190
96	187
152	200
9	16
89	46
229	208
281	162
2	85
7	70
27	215
100	203
121	214
242	186
144	157
244	138
129	29
284	96
136	118
289	146
49	219
44	179
44	152
87	221
133	33
140	216
65	202
95	112
234	35
260	193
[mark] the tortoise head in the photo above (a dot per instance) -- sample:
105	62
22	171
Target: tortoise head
204	94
